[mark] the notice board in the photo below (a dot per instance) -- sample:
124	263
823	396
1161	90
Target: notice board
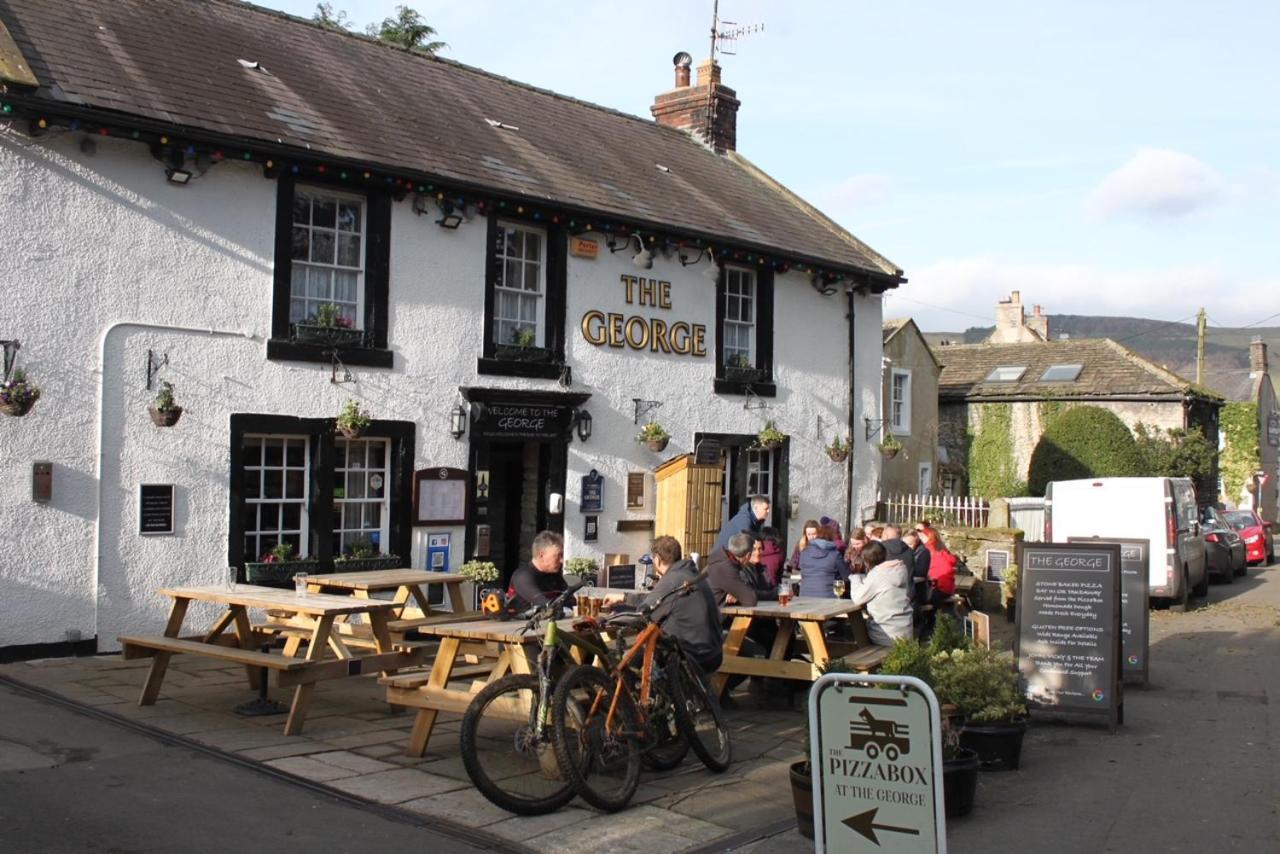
1135	607
439	496
155	508
1068	639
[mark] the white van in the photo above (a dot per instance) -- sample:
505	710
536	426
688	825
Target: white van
1160	509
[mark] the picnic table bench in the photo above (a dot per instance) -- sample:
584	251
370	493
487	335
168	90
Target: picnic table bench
311	616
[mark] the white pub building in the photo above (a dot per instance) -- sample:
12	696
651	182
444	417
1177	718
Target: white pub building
276	219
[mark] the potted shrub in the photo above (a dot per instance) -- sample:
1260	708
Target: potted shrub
481	574
584	567
1009	591
770	437
362	556
329	328
654	437
352	421
163	411
890	447
984	687
839	449
17	394
278	566
522	347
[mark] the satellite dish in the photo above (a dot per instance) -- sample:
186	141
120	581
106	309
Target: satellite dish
682	60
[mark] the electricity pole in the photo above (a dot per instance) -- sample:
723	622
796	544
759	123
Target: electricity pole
1200	323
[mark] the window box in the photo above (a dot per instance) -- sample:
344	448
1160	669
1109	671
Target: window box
280	572
367	564
333	337
522	354
745	375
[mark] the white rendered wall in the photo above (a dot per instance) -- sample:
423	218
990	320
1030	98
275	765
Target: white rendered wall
99	242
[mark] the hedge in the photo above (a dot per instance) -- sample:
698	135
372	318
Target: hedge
1084	441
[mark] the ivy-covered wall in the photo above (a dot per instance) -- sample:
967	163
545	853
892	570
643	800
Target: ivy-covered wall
993	469
1240	458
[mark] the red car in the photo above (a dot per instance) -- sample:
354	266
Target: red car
1259	543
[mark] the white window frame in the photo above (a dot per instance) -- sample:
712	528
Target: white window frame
500	283
900	408
344	473
304	502
741	285
761	464
924	480
311	228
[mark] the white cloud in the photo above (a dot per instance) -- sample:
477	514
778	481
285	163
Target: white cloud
856	193
954	294
1156	182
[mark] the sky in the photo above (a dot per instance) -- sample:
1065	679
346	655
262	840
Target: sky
1115	158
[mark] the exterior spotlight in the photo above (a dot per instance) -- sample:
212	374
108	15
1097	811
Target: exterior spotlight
583	423
449	217
458	421
713	270
643	259
177	176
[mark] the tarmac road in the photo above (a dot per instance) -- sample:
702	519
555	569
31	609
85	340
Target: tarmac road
76	783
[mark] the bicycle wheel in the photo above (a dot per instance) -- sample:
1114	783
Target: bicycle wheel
698	714
601	756
669	746
509	757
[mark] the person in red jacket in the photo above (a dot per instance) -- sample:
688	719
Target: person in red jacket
942	563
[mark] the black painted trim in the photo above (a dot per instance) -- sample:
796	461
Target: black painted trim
282	349
735	387
55	649
505	368
764	336
556	302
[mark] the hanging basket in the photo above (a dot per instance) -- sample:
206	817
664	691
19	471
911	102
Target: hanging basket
837	456
351	432
889	453
768	446
164	417
657	445
17	410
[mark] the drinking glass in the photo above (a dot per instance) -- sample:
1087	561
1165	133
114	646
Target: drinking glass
838	587
231	579
784	594
300	584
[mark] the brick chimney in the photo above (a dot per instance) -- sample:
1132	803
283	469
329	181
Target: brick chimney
1257	357
1039	323
707	110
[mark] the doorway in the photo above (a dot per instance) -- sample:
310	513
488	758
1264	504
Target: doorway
519	494
750	470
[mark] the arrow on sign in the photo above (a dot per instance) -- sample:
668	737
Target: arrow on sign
864	823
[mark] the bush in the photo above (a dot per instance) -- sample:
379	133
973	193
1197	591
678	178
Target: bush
981	684
909	657
948	635
1174	453
1085	441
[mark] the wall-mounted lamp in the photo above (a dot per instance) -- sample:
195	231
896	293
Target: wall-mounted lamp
827	289
458	421
713	269
644	258
583	422
449	218
177	176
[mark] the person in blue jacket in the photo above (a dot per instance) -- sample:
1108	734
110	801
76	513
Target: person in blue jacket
748	520
821	563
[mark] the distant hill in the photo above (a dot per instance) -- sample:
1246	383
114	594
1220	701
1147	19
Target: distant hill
1172	345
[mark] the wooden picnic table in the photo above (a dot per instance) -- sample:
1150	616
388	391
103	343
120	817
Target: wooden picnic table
811	614
412	606
309	616
498	647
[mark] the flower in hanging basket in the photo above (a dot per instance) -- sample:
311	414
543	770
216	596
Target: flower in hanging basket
164	411
890	447
352	421
654	437
17	395
479	571
770	438
839	449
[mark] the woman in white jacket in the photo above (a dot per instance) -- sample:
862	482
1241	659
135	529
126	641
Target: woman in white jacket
883	596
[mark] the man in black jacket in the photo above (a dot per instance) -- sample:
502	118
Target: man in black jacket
749	519
541	579
692	617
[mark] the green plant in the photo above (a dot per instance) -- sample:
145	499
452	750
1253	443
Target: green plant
583	567
279	553
889	443
479	571
164	400
352	417
359	550
770	436
18	390
1009	586
652	432
1086	441
981	684
840	446
521	337
330	317
738	360
909	657
1238	424
1176	452
993	471
948	635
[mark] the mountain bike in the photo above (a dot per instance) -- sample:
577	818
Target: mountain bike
605	719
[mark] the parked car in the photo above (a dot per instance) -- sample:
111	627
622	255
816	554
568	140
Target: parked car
1223	548
1159	509
1259	541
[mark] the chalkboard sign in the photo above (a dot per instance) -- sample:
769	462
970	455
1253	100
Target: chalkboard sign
1135	605
622	576
707	453
997	563
155	508
1068	640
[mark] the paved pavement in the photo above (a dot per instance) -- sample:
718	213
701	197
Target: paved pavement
1194	768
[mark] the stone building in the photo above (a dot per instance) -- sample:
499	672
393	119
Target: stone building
277	218
910	395
1013	326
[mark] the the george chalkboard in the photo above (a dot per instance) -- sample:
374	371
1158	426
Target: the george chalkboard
155	508
621	576
1068	640
1135	605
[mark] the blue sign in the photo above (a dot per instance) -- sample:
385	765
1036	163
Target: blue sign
592	492
437	561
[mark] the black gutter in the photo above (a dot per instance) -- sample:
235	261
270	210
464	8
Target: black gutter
848	498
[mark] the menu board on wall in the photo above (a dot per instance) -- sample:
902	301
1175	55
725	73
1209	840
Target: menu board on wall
155	508
1068	639
440	496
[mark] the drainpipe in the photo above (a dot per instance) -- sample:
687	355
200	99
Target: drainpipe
853	418
102	424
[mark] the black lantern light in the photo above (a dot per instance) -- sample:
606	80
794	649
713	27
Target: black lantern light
458	421
583	423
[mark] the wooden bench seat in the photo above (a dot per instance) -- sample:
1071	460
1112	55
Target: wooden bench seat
419	678
146	646
867	659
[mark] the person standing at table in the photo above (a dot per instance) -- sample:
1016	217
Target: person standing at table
748	520
883	597
821	563
540	580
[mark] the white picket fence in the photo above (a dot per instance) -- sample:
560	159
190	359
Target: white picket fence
962	510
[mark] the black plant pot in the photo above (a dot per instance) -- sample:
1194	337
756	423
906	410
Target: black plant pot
998	745
960	782
1011	610
802	797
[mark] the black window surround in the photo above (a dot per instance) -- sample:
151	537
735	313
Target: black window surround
493	361
320	507
762	383
377	259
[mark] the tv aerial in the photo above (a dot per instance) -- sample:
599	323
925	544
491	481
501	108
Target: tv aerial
728	31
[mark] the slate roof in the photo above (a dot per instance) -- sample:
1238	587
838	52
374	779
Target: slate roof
346	96
1108	371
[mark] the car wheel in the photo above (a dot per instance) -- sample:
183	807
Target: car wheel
1179	605
1243	568
1202	589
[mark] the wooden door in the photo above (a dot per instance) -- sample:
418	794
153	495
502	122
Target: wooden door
702	519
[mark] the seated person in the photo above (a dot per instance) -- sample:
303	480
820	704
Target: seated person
755	573
821	563
724	572
537	582
693	618
883	596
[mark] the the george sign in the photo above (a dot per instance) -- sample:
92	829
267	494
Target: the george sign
592	492
997	563
654	334
877	765
440	496
635	490
1068	638
155	508
437	560
583	247
523	421
622	576
1273	429
1135	607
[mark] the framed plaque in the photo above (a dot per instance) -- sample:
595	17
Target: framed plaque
155	509
440	496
